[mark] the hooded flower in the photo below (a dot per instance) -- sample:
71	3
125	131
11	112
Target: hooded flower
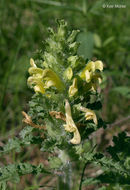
37	84
42	79
96	80
73	88
70	125
89	114
90	75
36	80
52	79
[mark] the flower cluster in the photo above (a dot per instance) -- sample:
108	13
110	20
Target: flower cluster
64	70
42	79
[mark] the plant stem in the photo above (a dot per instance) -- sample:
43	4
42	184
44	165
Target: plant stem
82	176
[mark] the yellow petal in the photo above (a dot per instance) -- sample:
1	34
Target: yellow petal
73	88
70	125
32	63
68	73
93	87
49	83
49	75
76	139
90	66
98	65
34	80
36	71
38	84
87	71
87	76
95	81
99	80
39	88
90	69
89	114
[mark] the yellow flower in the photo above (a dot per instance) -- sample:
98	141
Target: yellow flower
98	65
96	80
35	81
68	73
39	88
35	71
52	79
89	114
73	88
32	63
70	125
90	69
38	84
89	74
41	79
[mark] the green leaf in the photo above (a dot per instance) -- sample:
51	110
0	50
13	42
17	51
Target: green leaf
86	44
13	172
12	144
26	135
9	173
25	132
121	147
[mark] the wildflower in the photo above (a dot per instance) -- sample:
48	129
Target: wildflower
37	84
52	79
35	71
73	88
96	80
42	79
70	125
35	81
90	75
89	114
32	63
